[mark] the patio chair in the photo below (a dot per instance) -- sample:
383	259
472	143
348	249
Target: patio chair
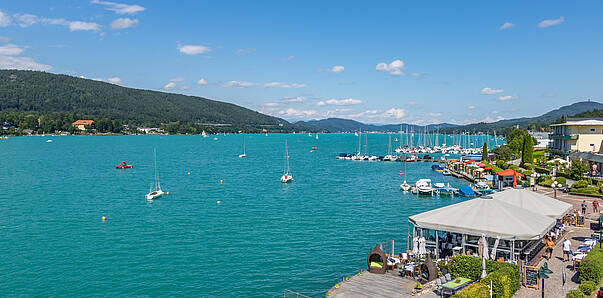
439	288
448	277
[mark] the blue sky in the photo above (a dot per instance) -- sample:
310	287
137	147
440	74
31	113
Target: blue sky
378	62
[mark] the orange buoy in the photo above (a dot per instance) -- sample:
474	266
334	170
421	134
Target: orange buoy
221	181
218	202
104	218
189	173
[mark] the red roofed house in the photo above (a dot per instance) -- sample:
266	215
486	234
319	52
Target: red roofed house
83	125
507	178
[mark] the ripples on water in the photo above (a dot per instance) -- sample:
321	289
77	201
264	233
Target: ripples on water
264	237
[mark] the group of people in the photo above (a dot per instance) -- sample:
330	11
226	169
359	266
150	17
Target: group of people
595	206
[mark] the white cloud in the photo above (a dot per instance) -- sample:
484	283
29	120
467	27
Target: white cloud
177	80
507	97
490	91
470	107
340	102
490	119
119	8
4	39
290	112
245	51
201	81
284	85
506	25
114	80
549	23
271	104
185	87
10	50
193	49
5	20
238	84
123	23
288	58
335	69
294	99
26	20
169	86
394	68
83	26
22	63
547	94
396	113
433	114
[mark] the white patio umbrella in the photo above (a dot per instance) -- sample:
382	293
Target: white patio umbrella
415	246
422	249
493	254
484	273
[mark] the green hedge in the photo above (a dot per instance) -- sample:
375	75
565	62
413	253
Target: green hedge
475	290
505	277
591	267
573	294
589	190
588	287
581	184
546	183
542	170
561	180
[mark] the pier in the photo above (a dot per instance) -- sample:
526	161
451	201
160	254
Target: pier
366	284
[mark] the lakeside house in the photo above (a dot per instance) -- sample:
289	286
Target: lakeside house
83	125
577	135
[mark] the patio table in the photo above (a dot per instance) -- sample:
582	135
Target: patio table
455	285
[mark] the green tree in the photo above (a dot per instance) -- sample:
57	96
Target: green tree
485	152
577	169
503	153
527	150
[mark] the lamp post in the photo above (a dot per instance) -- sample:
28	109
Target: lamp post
554	186
542	274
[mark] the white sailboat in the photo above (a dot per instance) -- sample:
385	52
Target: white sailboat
286	175
317	136
243	155
405	186
155	192
204	134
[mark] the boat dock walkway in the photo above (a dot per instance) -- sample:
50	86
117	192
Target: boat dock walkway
366	284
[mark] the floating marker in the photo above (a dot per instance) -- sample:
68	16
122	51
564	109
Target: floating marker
104	218
188	173
221	181
218	202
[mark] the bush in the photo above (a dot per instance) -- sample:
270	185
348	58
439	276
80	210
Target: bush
581	184
475	290
561	180
546	183
514	168
502	286
573	294
587	287
589	190
504	276
591	267
501	164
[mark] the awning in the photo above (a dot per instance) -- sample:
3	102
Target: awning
509	172
486	216
534	201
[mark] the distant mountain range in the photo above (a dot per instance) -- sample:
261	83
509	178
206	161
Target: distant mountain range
346	125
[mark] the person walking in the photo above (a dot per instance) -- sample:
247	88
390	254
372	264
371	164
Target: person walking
583	205
567	248
596	206
549	247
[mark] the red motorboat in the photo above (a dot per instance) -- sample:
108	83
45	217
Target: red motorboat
124	165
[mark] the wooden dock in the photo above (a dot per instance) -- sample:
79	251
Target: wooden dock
368	284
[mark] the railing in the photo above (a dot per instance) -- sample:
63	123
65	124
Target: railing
289	293
388	247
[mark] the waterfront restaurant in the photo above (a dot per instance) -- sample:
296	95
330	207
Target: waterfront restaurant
515	232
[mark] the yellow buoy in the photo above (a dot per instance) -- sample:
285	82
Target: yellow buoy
104	218
218	202
189	173
221	181
167	193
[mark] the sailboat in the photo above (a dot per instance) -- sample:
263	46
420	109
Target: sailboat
317	136
286	176
405	186
204	134
243	155
155	192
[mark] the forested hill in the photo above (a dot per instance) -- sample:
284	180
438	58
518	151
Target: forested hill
346	125
45	93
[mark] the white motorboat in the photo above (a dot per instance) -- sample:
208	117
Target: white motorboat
243	155
439	185
48	141
423	187
405	186
155	192
287	177
446	172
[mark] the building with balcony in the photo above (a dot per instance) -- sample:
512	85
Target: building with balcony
576	136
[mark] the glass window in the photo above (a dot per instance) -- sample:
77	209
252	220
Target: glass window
593	130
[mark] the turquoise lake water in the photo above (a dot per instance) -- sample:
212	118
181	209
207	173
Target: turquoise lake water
263	238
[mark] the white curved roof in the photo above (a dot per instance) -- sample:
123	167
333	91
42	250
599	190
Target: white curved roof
486	216
534	201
